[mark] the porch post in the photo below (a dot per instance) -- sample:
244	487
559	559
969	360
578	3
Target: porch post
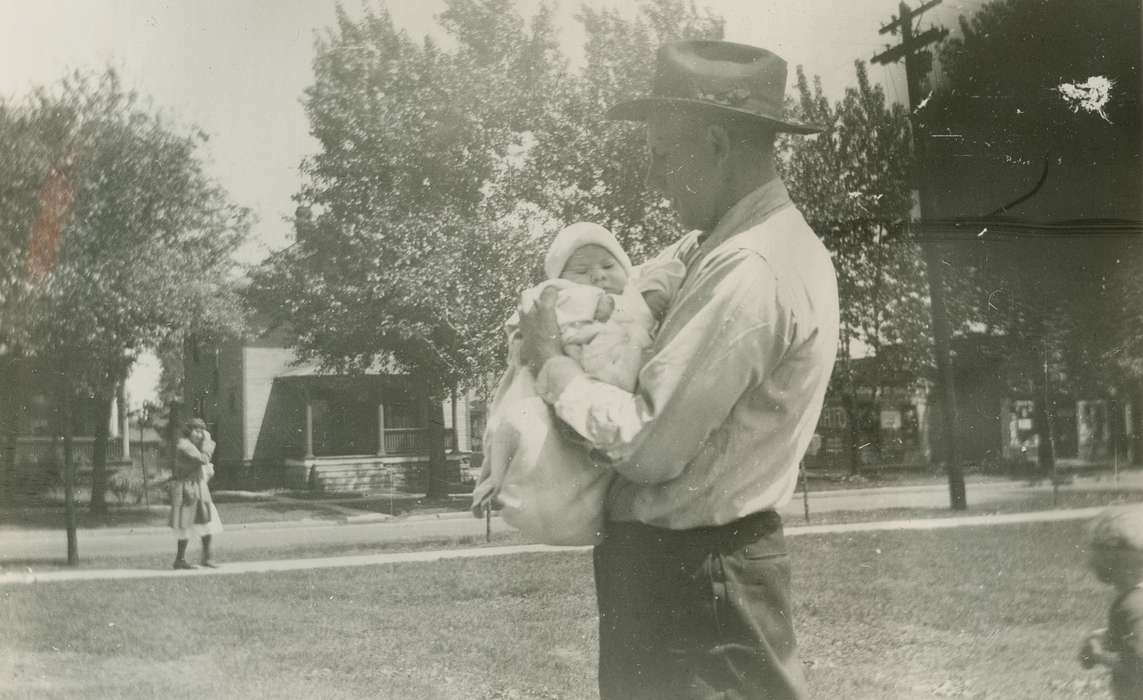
380	428
124	421
455	442
309	428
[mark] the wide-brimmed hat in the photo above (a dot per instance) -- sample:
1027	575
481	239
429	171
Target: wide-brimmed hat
717	76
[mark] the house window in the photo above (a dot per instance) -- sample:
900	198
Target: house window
402	415
344	427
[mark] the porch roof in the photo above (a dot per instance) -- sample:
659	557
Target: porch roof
379	368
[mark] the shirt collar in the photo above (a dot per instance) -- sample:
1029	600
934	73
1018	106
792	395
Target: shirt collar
749	211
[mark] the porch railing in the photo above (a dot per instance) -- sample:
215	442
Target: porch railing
41	450
403	441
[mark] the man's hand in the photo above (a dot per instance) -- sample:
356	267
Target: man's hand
658	301
539	332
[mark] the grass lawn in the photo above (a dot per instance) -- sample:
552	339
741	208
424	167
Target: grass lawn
981	612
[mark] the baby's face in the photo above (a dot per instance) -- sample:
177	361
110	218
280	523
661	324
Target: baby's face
593	265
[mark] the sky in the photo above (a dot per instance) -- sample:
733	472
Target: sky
237	68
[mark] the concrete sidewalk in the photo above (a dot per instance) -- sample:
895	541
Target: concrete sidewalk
250	567
18	544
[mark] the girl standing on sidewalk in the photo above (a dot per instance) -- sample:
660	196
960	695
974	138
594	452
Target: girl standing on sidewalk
192	509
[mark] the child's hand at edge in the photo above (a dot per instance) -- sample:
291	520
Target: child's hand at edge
658	301
1092	651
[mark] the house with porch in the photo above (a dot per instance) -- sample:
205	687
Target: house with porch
897	424
279	422
31	429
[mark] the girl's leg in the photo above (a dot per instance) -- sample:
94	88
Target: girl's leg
181	556
206	552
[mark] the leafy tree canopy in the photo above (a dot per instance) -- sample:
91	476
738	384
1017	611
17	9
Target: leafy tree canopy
114	239
442	174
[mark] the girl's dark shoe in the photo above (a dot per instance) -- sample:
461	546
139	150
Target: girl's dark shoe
183	564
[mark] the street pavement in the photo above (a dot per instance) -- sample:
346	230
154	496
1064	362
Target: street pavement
37	545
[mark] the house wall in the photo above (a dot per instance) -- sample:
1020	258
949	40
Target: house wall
269	425
214	388
229	422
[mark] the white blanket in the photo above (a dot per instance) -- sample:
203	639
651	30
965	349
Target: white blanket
546	481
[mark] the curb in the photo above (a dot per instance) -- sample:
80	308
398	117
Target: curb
359	519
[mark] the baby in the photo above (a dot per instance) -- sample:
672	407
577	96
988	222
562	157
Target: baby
1116	558
548	485
606	310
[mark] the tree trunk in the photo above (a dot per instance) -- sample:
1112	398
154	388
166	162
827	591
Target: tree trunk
66	420
1046	452
8	417
852	434
436	474
1135	398
849	401
103	399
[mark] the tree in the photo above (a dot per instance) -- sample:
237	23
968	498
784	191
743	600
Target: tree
589	168
128	243
411	246
852	183
440	177
1029	140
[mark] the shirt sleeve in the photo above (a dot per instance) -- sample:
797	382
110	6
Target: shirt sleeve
725	335
664	275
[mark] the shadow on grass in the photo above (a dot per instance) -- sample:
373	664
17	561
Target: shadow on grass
403	506
52	517
42	564
287	507
1064	500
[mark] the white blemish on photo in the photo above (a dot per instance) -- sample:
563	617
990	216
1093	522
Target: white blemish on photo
1092	95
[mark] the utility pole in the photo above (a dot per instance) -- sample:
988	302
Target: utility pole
918	63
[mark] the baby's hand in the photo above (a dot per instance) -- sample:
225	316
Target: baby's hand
604	308
658	301
1091	651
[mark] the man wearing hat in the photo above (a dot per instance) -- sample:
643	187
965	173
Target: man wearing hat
693	576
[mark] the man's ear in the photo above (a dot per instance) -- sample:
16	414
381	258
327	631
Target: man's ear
718	141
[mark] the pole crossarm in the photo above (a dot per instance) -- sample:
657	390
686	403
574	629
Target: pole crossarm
906	15
920	41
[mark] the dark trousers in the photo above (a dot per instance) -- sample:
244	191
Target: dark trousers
701	613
